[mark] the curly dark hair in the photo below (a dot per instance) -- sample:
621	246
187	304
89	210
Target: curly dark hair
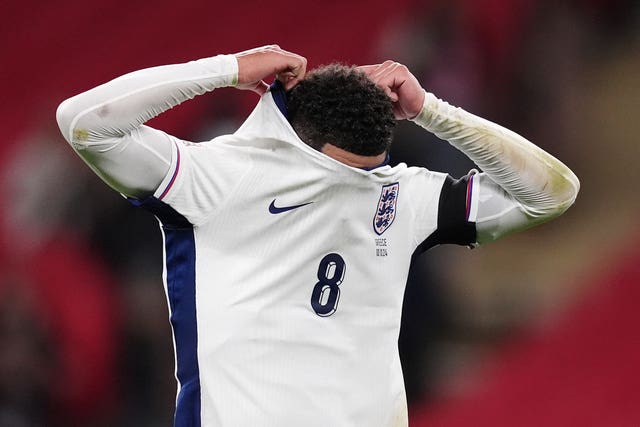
338	104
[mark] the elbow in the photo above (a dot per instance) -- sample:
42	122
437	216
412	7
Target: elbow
69	116
558	201
64	117
575	187
568	196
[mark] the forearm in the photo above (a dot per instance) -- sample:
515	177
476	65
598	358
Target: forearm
543	185
123	104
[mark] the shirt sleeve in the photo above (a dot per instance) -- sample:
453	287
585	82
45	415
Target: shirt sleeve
105	124
521	185
498	213
202	177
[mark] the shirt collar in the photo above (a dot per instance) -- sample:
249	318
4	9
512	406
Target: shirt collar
280	98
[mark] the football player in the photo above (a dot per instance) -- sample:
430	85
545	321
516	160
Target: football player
288	243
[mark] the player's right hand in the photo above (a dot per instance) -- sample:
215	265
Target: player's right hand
255	65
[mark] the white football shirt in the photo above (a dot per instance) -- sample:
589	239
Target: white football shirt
285	269
285	273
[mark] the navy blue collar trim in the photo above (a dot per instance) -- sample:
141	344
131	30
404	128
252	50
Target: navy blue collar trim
280	98
385	163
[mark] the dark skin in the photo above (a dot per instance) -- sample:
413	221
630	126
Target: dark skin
395	79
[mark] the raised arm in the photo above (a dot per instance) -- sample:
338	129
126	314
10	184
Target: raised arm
522	185
105	124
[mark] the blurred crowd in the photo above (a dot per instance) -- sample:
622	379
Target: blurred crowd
85	338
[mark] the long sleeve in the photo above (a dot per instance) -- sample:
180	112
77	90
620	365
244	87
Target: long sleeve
105	124
522	185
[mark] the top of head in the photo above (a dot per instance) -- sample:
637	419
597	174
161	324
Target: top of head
339	105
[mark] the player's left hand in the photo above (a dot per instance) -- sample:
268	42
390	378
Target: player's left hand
402	87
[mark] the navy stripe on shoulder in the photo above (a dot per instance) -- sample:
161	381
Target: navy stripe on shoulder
165	213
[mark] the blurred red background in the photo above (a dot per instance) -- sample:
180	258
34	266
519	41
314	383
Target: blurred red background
538	329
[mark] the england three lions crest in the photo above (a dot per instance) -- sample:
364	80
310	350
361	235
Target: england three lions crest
386	211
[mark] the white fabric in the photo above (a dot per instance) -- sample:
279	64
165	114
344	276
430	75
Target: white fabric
265	356
104	124
474	197
522	184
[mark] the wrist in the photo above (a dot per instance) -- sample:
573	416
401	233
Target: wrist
425	115
225	67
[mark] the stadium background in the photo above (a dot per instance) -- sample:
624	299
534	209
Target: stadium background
537	329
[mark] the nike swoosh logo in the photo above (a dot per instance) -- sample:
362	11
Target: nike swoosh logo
276	210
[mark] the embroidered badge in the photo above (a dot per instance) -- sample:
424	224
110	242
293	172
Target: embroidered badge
386	211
